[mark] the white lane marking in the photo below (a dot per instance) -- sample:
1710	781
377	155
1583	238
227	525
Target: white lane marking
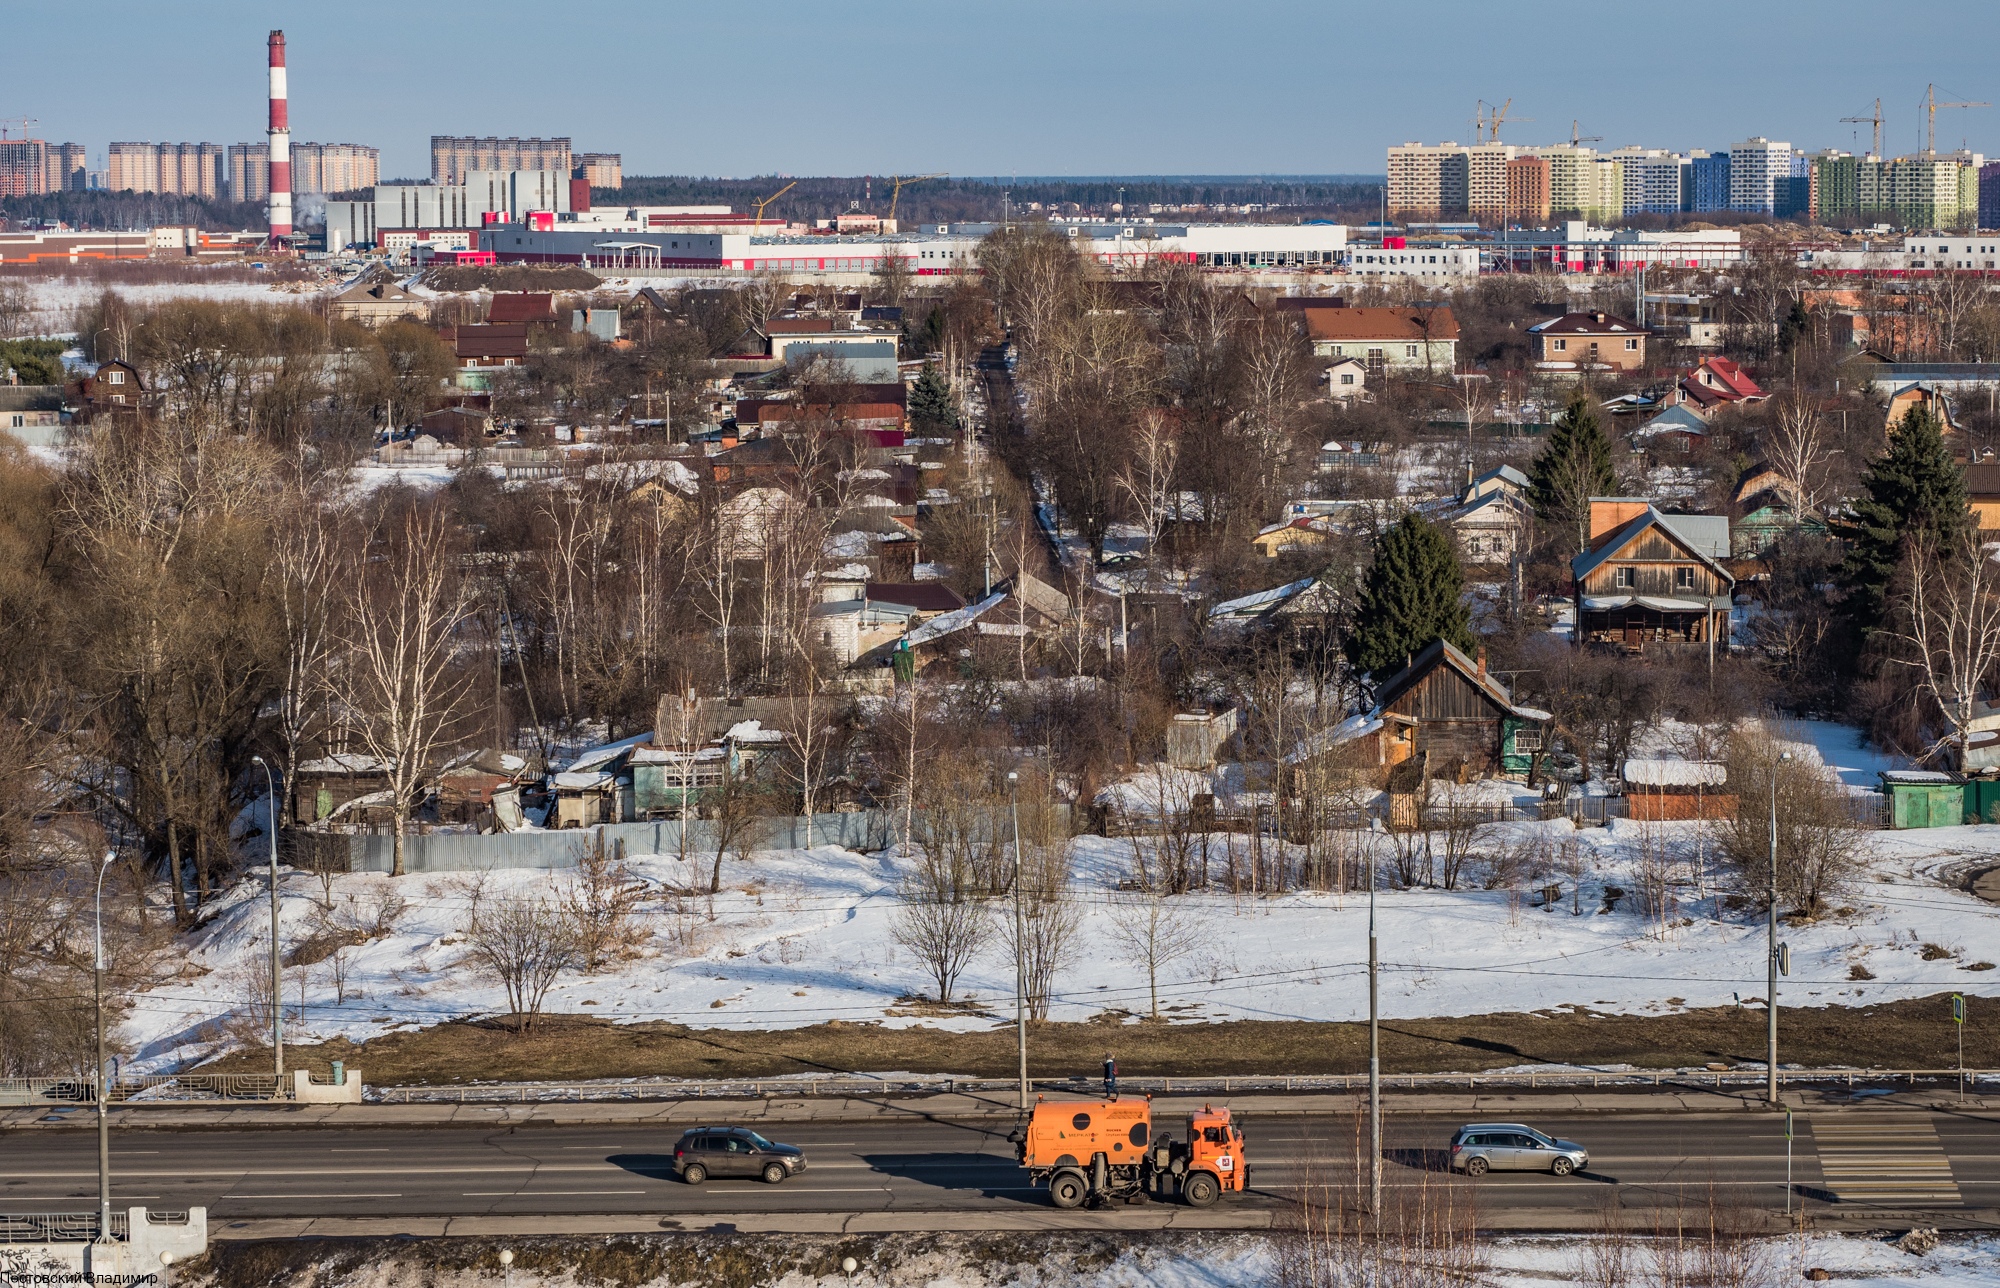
539	1194
233	1197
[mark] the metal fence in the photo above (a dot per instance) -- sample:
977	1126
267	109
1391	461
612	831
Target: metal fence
61	1227
147	1087
850	1086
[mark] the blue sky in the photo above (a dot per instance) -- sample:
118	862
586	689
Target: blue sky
1004	86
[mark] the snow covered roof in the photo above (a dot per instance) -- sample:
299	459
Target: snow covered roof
1675	773
1253	604
1915	776
607	753
579	782
1355	726
345	763
753	731
674	756
946	623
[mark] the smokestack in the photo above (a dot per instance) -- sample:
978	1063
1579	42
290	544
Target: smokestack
280	136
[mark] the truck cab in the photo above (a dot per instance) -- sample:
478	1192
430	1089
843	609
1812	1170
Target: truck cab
1215	1145
1104	1151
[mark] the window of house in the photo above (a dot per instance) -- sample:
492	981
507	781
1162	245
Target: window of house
1562	346
1347	377
1631	346
114	377
1683	579
1627	578
1409	351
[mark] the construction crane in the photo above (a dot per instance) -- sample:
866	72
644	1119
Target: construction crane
1499	119
1576	138
1875	120
23	121
1931	105
897	181
1485	127
773	197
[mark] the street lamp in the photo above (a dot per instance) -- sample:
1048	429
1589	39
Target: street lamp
277	979
1020	948
103	1088
1374	1056
1771	926
507	1264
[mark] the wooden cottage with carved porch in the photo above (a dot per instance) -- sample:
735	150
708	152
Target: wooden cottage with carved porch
1651	578
1445	711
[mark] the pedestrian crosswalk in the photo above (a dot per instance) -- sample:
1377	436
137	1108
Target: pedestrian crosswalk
1884	1159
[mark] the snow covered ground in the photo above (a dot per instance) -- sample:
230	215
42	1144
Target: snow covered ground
801	936
56	300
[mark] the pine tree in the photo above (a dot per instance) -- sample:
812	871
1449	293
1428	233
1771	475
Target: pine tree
1573	467
1914	486
1413	594
932	408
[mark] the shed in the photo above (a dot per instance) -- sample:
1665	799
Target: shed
321	786
589	797
1194	740
1923	798
1662	790
669	782
1465	721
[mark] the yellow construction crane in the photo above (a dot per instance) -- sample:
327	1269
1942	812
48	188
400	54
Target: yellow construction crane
1931	105
773	197
896	183
1486	127
1875	120
23	121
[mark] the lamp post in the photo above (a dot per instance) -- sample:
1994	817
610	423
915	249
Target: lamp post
1771	964
1020	947
103	1089
1374	1056
277	978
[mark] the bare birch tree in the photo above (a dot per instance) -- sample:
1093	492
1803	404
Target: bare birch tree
399	682
1148	478
1951	624
1153	932
1797	447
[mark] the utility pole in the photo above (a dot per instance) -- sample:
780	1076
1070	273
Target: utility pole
1020	953
1771	924
1374	1057
277	978
103	1083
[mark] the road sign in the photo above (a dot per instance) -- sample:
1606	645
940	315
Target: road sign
1784	959
1958	1008
1788	1124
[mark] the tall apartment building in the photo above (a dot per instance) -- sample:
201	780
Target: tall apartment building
1755	167
1427	180
24	167
316	167
1583	185
1652	180
177	169
1989	195
1924	191
1528	190
68	168
454	157
1710	187
600	169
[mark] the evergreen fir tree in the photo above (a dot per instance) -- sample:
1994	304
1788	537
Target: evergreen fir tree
1573	467
1914	486
1414	594
932	408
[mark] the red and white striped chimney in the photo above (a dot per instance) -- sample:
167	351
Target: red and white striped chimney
280	145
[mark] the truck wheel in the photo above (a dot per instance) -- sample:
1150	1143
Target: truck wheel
1067	1190
774	1172
694	1173
1200	1189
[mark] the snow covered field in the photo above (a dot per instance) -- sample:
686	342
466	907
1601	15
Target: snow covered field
55	300
802	936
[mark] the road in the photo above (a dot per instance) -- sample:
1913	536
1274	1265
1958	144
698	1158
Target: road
1850	1163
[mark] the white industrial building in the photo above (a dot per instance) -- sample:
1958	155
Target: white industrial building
401	215
931	248
1447	260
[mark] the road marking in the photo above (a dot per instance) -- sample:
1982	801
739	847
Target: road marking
539	1194
1884	1159
381	1150
233	1197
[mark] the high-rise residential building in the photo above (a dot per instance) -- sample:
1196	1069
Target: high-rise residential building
1710	189
1989	195
1427	180
453	157
1486	179
24	167
1755	167
1528	190
177	169
68	167
1652	180
600	169
1581	188
316	167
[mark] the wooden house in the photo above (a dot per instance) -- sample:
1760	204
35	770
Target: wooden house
1660	790
1455	719
1651	578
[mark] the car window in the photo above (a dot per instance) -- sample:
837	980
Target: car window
737	1145
758	1141
1475	1138
1526	1142
699	1144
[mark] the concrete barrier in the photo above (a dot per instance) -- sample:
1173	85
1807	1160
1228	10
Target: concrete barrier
345	1092
152	1244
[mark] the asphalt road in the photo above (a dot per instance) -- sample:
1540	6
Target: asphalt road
1846	1163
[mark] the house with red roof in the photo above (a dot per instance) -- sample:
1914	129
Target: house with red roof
1717	383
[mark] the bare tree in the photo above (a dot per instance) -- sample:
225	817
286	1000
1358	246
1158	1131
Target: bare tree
1797	446
524	945
1150	932
308	566
1821	843
399	683
944	919
1148	478
1050	916
1950	624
